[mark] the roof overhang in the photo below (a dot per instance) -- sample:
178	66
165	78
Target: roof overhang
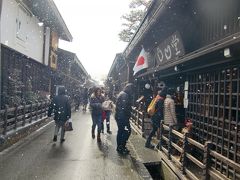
221	44
155	10
74	59
81	66
118	55
47	12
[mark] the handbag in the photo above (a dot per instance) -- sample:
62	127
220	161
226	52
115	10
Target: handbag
68	125
107	105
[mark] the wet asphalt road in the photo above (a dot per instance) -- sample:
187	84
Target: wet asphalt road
79	157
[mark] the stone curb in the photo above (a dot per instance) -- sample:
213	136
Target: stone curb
13	148
141	169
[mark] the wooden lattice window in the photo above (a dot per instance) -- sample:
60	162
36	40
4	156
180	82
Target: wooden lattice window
214	108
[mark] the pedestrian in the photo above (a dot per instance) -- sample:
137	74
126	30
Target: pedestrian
62	112
77	100
122	116
169	109
108	107
157	117
148	94
85	99
96	101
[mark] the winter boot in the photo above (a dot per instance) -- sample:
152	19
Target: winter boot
99	138
109	132
55	138
108	129
93	134
121	150
102	130
126	150
149	145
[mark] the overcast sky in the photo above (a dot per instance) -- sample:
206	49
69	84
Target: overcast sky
94	25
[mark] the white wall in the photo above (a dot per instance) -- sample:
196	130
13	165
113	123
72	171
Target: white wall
20	30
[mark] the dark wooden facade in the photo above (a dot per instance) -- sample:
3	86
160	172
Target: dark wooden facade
198	28
24	72
118	75
24	80
214	108
22	75
185	41
70	73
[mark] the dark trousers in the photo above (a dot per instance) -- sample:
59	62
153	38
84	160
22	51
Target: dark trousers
57	128
152	133
96	121
108	114
124	131
77	104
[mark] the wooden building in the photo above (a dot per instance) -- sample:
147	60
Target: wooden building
30	31
69	73
193	47
118	75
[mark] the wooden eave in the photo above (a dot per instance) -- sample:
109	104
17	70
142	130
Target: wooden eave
47	12
221	44
146	24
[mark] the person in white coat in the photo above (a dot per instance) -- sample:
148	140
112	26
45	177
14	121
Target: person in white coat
108	108
169	109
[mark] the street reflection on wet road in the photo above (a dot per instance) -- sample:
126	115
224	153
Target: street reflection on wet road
79	157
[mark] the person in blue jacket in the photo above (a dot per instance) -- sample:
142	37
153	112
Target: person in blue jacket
96	101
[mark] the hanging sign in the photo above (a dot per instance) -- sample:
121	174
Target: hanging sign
171	49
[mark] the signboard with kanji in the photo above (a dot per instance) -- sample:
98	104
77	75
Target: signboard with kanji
170	49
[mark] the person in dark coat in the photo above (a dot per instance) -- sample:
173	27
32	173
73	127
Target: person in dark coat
96	101
85	99
77	100
122	116
157	117
62	112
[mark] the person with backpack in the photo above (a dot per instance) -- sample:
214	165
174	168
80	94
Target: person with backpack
61	107
156	111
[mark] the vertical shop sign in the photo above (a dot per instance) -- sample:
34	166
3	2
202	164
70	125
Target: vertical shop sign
185	103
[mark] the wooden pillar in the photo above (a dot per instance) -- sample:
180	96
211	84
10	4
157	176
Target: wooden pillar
0	56
170	142
160	136
183	156
206	159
